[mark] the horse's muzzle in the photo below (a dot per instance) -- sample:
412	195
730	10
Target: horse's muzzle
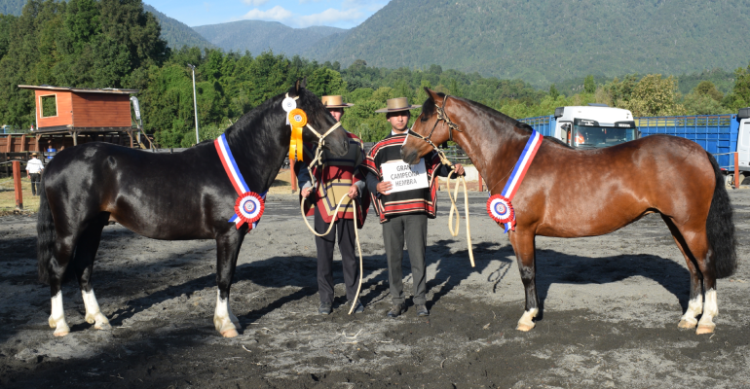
410	157
338	148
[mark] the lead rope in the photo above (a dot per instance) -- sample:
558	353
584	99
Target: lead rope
461	181
318	161
330	226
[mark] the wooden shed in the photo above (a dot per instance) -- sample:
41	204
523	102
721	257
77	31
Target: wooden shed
93	114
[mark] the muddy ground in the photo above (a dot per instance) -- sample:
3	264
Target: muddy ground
611	305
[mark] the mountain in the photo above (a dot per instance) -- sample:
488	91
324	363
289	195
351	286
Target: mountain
176	33
259	36
545	41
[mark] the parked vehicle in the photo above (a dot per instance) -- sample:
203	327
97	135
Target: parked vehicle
721	135
587	127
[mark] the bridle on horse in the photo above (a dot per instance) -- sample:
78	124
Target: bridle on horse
442	116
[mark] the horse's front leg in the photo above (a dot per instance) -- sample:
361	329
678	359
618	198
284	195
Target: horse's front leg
523	245
227	250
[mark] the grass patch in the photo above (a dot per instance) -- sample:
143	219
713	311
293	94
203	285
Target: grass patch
8	196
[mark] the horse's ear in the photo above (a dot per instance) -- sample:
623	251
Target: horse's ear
304	83
296	87
433	95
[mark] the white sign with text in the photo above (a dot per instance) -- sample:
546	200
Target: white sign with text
404	176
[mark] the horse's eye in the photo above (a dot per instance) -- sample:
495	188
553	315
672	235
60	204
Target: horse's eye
424	118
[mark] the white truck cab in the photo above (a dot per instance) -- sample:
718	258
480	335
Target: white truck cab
594	126
743	142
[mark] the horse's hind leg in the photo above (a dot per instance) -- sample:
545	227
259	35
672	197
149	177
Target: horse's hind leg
227	250
523	245
696	249
83	264
695	304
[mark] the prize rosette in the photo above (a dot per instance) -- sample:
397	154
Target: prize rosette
500	209
249	208
298	120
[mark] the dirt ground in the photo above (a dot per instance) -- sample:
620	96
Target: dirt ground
611	305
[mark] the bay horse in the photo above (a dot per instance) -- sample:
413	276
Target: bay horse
179	196
571	193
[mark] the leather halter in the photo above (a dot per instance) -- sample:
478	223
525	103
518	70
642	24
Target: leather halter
441	117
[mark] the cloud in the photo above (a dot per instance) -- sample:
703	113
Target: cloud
276	13
352	13
328	17
255	3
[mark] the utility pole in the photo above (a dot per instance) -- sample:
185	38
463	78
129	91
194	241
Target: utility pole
195	105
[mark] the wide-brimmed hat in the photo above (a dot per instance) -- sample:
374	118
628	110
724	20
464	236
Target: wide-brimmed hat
397	105
34	154
335	102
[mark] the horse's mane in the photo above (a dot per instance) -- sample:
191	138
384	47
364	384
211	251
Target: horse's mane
429	107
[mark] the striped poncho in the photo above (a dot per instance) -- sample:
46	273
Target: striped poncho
334	180
401	203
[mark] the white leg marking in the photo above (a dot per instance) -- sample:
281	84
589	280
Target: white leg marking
93	314
695	307
57	316
224	320
526	323
706	324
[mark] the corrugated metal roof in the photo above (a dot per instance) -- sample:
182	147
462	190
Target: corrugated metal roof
113	91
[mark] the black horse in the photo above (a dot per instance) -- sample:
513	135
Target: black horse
178	196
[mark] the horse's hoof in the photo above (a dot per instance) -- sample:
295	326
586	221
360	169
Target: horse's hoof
687	324
525	327
103	326
229	333
705	329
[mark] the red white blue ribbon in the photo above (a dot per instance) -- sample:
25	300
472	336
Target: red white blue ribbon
499	206
249	206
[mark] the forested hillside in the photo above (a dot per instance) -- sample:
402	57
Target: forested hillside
548	41
258	36
114	43
176	33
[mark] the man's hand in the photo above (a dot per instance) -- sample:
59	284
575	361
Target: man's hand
306	192
384	187
353	192
459	169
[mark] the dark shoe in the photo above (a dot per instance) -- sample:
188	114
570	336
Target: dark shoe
324	308
396	310
422	310
359	308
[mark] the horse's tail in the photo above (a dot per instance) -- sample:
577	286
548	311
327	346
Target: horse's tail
720	227
45	229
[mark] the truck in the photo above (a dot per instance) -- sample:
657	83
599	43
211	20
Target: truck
587	127
720	135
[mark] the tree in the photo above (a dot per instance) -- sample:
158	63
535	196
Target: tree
589	86
654	96
553	91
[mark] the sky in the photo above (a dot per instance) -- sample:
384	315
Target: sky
293	13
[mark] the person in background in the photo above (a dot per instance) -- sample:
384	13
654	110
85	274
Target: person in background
404	214
340	176
50	151
34	169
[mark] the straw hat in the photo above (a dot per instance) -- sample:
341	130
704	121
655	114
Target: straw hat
335	102
34	154
397	105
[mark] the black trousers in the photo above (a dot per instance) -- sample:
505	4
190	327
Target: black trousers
36	180
411	229
344	229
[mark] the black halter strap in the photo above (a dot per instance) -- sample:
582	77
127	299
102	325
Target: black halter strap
441	117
